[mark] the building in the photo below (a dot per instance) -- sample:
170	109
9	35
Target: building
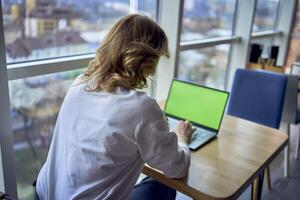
55	45
44	18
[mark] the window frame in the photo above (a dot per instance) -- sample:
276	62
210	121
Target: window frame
209	42
7	169
239	41
47	66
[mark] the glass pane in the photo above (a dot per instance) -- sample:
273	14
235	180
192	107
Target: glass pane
148	7
204	19
265	15
35	103
294	50
37	29
206	66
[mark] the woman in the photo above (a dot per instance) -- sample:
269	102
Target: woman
106	130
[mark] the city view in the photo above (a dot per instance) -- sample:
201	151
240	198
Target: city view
207	19
45	29
39	29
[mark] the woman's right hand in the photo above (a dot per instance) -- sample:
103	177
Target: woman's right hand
184	131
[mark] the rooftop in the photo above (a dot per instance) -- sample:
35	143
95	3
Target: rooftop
22	47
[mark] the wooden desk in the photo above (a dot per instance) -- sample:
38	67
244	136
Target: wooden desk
226	166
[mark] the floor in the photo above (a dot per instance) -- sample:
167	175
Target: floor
282	188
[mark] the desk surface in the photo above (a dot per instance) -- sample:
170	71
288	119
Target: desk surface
226	166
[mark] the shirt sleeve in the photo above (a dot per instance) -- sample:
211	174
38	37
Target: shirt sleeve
159	147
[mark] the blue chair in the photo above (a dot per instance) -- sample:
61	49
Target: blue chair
258	96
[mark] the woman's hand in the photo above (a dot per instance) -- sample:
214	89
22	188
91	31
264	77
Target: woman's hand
184	131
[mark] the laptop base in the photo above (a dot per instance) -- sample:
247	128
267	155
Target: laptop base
199	138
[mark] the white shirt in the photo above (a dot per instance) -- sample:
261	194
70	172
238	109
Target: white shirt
101	143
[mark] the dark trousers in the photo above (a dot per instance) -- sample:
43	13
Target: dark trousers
147	189
150	189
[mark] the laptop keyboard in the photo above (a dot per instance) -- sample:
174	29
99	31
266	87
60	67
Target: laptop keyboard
199	137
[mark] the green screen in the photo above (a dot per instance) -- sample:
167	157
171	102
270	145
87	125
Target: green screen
197	104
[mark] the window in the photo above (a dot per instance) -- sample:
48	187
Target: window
206	66
204	19
294	51
36	29
265	15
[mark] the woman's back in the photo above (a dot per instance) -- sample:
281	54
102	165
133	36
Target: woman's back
94	146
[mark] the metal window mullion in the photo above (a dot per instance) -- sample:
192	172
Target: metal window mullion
157	9
277	15
286	13
36	68
229	56
170	18
133	6
243	27
6	136
265	34
197	44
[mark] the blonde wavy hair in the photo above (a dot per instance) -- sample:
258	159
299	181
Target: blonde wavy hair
128	55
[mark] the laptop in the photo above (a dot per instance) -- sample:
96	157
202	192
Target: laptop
202	106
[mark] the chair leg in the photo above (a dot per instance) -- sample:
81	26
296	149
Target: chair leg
254	190
268	177
297	146
287	154
260	185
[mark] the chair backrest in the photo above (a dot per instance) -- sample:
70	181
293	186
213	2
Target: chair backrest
258	96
